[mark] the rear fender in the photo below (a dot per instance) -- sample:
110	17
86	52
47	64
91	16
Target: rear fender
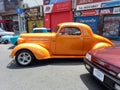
38	51
101	45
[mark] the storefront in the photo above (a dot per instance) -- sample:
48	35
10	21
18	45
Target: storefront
87	11
57	13
34	17
111	19
89	17
12	20
8	13
4	24
103	17
111	22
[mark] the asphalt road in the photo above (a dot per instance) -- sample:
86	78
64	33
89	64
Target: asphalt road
53	74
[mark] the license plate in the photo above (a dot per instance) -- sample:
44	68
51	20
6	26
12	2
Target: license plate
98	74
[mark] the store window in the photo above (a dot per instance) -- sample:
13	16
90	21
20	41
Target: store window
111	28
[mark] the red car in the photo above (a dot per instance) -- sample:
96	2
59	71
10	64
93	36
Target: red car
104	64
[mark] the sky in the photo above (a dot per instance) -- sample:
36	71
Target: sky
32	3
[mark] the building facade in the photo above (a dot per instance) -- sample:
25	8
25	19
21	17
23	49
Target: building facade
12	14
8	16
56	12
34	17
103	16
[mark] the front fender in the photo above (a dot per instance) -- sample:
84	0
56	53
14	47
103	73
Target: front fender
101	45
38	51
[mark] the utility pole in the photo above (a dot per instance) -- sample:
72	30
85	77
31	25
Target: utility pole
21	19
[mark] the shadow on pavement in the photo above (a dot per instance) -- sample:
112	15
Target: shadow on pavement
14	65
91	82
61	62
11	47
67	61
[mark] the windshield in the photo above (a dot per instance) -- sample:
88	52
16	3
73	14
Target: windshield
56	29
41	30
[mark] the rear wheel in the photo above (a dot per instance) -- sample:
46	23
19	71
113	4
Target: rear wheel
24	58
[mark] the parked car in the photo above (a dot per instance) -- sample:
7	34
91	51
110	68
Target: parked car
14	39
104	64
75	44
6	39
3	33
40	30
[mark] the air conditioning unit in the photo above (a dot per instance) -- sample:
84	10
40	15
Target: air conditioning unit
25	5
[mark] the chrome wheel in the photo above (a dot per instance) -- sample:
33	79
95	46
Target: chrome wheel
24	57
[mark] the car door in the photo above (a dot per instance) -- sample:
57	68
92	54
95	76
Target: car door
69	42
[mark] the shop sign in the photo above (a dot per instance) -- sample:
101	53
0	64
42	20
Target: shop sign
92	21
90	12
33	13
4	21
77	13
86	13
106	11
48	8
111	4
58	7
46	2
89	6
79	2
116	10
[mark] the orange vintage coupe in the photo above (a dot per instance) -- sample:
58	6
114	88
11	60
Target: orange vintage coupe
69	40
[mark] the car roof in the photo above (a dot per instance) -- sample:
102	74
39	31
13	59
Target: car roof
39	28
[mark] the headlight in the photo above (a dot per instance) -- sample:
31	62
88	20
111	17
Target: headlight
118	75
20	40
88	56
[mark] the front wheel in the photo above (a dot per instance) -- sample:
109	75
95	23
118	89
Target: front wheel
24	57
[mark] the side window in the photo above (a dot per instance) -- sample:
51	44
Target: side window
70	31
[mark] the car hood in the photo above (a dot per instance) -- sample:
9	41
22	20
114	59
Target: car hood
109	55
